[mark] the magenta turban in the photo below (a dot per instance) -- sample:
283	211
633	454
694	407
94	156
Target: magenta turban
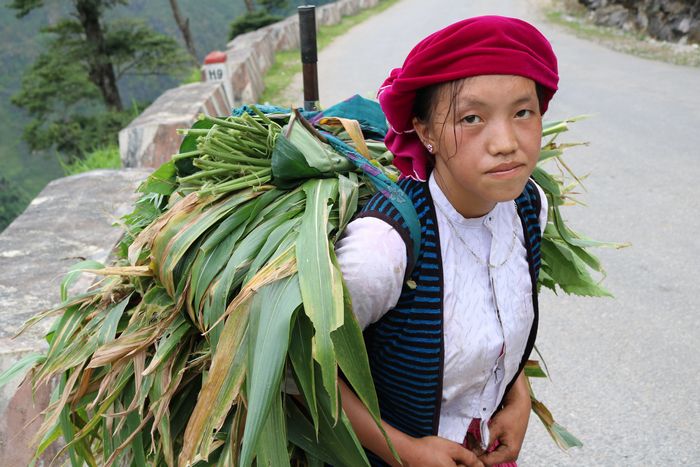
484	45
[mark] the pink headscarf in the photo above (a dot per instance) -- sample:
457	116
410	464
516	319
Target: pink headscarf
484	45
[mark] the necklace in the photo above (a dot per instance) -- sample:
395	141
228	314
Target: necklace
474	255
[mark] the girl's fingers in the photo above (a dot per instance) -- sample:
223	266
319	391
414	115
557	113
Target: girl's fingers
496	432
502	454
465	457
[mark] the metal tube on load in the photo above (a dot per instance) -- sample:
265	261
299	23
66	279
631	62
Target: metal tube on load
309	56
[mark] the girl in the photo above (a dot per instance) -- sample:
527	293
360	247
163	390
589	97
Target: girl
448	331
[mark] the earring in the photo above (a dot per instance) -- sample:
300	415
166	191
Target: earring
429	147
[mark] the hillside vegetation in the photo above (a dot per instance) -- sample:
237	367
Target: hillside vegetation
23	172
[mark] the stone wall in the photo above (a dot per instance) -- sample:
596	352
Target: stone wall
151	139
72	219
666	20
75	218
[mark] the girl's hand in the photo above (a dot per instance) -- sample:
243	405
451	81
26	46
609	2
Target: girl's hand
509	424
433	451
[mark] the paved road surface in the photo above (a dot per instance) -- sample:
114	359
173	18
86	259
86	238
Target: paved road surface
624	371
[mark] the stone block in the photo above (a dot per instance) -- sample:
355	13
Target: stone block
348	7
328	14
151	139
70	220
364	4
285	33
261	43
247	80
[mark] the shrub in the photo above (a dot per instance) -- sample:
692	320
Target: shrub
251	22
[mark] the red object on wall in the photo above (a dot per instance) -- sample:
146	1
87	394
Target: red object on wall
216	56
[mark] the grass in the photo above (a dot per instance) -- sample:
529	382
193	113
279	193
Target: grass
103	158
288	62
573	16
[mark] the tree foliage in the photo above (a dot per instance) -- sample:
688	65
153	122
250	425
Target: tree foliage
12	201
256	19
71	91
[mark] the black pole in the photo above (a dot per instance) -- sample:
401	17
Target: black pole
309	57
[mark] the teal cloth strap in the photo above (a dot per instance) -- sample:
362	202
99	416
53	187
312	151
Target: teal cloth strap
389	189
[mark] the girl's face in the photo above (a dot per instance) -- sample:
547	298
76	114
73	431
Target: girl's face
486	141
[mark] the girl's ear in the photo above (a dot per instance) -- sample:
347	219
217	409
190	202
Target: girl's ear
423	132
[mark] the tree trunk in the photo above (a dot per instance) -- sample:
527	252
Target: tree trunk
249	6
100	68
184	25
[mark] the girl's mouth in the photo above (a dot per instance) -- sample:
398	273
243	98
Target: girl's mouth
506	170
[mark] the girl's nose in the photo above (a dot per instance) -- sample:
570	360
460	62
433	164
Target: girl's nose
502	139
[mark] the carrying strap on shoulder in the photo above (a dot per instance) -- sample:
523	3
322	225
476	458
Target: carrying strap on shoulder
529	206
390	190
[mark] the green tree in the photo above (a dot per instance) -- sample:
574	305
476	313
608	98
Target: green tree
71	91
183	24
255	19
273	5
13	200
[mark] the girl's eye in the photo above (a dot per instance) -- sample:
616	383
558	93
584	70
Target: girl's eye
524	113
472	119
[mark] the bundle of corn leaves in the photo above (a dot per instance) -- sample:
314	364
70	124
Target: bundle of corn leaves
226	285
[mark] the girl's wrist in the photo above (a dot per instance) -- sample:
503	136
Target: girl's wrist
405	446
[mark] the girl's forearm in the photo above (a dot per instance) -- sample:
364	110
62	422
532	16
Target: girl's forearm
519	392
367	430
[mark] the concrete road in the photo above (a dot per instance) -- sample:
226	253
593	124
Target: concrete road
625	372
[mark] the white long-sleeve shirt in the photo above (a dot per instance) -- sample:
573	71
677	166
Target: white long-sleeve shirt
487	312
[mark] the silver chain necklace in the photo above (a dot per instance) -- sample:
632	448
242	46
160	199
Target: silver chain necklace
474	255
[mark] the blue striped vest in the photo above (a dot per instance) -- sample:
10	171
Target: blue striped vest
406	345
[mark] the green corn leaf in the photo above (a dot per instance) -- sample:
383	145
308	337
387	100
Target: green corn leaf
336	443
320	282
534	370
564	438
272	445
348	193
233	274
167	344
20	367
292	200
289	166
165	381
190	230
317	154
66	327
220	389
284	233
341	436
52	436
234	220
301	432
87	429
208	264
184	165
134	428
578	240
352	357
64	416
108	329
569	272
162	243
162	181
74	273
547	154
271	315
548	183
559	434
301	357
